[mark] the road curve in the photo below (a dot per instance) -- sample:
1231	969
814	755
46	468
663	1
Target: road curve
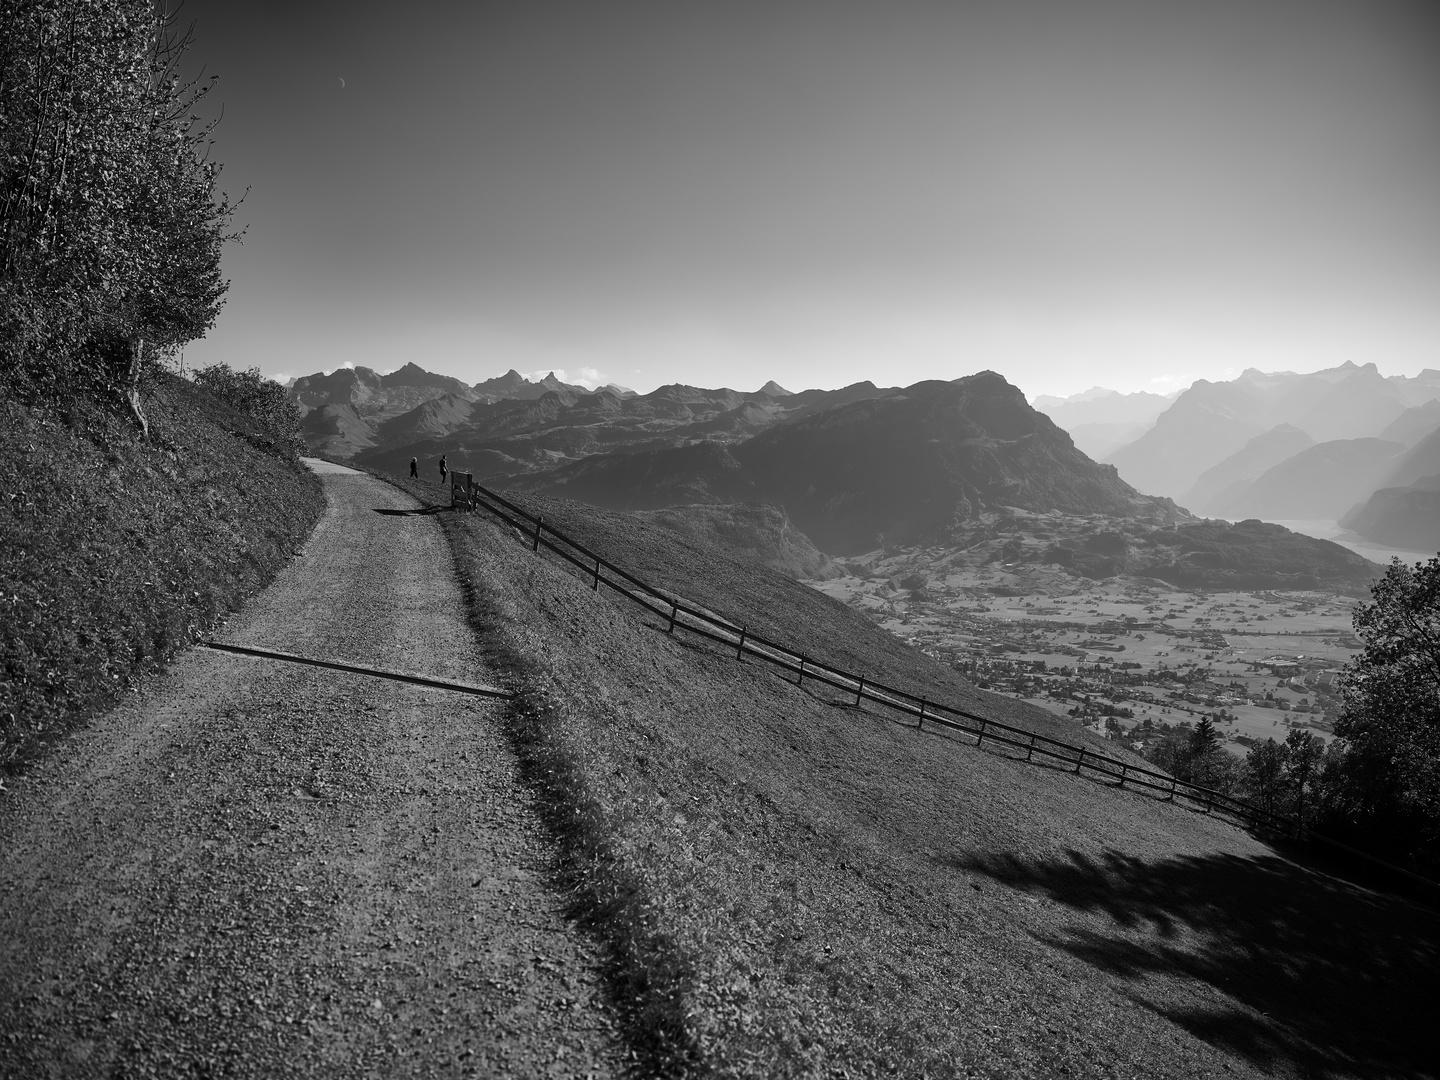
254	868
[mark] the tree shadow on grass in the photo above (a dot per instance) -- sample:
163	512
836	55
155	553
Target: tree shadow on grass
1311	974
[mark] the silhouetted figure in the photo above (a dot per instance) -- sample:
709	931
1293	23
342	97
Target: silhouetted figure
414	468
442	468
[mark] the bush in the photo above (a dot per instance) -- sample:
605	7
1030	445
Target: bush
258	397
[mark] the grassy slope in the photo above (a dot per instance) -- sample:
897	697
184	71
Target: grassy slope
791	886
117	551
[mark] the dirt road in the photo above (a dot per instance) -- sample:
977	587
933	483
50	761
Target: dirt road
260	869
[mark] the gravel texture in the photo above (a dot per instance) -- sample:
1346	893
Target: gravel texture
254	868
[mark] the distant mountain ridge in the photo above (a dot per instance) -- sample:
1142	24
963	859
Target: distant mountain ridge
358	408
1247	464
1101	421
1210	421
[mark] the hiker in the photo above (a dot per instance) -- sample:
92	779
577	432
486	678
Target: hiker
414	468
442	468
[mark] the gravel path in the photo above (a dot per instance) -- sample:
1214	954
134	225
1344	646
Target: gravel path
261	869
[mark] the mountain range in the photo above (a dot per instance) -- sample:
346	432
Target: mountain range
1287	446
1101	421
849	470
1210	421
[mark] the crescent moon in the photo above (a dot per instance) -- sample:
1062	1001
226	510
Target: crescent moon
342	82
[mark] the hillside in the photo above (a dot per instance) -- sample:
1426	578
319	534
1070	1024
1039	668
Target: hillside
1321	481
906	465
117	551
791	886
1261	453
1403	517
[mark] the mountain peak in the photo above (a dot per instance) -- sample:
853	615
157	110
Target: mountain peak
774	389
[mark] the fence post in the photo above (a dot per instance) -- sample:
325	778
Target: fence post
596	586
921	725
674	606
1031	751
980	739
740	649
539	523
1123	768
1080	761
1171	796
860	691
801	679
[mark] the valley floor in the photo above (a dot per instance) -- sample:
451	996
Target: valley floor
1127	658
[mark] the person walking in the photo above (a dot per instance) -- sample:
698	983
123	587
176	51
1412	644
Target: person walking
414	468
442	469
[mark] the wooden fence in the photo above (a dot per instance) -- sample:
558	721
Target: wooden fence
677	614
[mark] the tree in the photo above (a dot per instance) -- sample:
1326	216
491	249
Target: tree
1204	746
1263	773
1303	754
110	228
1389	723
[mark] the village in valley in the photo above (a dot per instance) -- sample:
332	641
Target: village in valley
1131	658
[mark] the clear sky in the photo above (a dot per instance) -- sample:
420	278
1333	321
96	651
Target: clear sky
1130	193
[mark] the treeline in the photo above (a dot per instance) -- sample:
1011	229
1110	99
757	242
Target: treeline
1377	786
110	221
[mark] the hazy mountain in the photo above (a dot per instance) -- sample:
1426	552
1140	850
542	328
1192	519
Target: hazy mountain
908	464
1414	423
1101	421
1261	453
1100	440
1212	420
1321	482
1417	390
1421	460
1100	406
1402	517
1360	405
1208	422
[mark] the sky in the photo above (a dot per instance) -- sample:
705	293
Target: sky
1125	193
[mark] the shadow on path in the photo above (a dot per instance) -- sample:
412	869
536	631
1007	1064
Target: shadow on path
422	512
1308	973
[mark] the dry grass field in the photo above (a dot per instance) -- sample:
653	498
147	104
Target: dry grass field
790	886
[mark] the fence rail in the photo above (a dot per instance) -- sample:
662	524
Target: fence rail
678	614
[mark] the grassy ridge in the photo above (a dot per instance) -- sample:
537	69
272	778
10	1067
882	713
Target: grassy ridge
115	552
793	887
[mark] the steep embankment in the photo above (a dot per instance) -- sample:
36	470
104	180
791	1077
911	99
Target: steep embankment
807	888
116	551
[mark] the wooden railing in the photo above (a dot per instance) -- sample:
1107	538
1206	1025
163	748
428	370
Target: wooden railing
678	614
